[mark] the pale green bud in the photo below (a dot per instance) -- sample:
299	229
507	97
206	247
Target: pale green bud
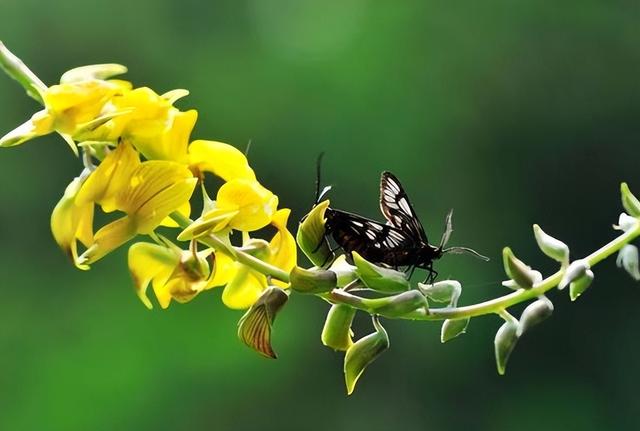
517	270
337	332
537	278
535	313
443	291
362	353
626	222
577	287
451	328
504	343
380	279
576	270
628	259
311	236
312	280
398	305
345	273
554	248
93	71
254	328
629	201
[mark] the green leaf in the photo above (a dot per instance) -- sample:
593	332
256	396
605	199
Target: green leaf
362	353
337	332
451	328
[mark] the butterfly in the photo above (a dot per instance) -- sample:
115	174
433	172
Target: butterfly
400	242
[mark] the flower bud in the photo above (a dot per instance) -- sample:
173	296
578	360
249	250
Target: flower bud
312	280
577	287
443	291
628	259
311	236
554	248
254	328
337	332
504	343
93	71
629	201
537	278
362	353
535	313
517	270
398	305
576	270
625	222
451	328
380	279
345	273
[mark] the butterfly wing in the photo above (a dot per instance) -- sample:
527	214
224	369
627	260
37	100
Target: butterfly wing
397	209
374	241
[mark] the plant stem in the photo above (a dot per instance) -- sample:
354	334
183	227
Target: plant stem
234	252
15	68
496	305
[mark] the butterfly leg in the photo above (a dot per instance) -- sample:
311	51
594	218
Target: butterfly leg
410	271
433	274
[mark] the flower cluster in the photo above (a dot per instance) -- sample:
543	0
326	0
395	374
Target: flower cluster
141	168
139	163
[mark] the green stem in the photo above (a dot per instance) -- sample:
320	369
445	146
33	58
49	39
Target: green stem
234	252
15	68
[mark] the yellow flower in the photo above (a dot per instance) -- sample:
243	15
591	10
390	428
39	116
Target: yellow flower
150	122
174	273
70	108
243	285
71	222
241	204
147	192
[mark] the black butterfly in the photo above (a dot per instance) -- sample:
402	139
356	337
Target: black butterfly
401	242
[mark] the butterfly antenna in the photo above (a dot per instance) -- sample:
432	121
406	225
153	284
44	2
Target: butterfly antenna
320	193
448	229
465	250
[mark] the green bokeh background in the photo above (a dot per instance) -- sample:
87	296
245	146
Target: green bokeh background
512	113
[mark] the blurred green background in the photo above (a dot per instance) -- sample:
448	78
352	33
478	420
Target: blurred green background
512	113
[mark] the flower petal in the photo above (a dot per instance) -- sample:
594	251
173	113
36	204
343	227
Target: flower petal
110	178
150	262
71	222
244	289
220	159
283	245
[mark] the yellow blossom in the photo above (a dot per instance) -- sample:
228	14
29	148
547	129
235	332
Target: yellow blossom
244	285
150	122
147	192
72	222
174	273
240	204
